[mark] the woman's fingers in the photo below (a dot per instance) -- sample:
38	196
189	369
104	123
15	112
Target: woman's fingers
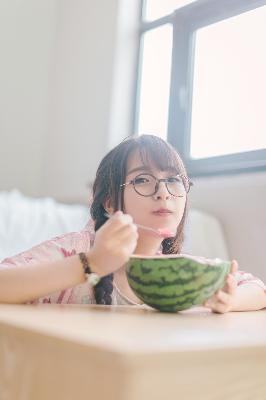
219	302
223	297
222	300
231	285
114	241
128	242
118	222
234	266
220	308
126	234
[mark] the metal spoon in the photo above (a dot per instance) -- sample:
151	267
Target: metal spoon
164	232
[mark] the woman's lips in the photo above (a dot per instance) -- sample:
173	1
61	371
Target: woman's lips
162	213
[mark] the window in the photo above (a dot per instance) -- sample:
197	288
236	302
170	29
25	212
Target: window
154	9
202	81
155	81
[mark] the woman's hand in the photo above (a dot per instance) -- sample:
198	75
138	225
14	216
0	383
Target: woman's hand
114	243
222	301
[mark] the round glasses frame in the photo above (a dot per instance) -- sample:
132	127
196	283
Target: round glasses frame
186	182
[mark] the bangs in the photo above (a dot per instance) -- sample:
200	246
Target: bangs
155	151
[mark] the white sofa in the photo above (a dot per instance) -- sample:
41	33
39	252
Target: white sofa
26	221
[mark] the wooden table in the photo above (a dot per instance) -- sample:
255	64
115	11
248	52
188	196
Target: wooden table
127	353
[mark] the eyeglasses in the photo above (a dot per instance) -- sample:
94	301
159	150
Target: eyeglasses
147	185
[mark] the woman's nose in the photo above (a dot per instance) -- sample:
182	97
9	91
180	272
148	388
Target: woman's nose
162	192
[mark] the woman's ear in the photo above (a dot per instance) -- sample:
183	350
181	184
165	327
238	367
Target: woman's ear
107	206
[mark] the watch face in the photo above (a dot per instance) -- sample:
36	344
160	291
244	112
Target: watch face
93	279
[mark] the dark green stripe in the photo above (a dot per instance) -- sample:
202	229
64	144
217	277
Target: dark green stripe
145	270
141	291
164	283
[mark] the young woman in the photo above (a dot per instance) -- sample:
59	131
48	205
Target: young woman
140	181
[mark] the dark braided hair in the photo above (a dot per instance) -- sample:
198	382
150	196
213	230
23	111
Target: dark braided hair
111	174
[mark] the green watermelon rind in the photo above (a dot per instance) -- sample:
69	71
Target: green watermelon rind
177	284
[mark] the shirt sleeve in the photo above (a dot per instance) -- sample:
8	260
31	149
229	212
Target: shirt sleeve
55	249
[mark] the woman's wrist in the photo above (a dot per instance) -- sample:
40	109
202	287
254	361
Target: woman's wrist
91	270
93	263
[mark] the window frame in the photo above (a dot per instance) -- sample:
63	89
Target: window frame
185	21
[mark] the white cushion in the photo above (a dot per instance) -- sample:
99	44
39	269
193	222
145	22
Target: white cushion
26	221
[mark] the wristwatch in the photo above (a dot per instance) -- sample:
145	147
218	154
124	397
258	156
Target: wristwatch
90	276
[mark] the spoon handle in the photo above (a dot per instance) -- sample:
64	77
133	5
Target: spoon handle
147	228
139	226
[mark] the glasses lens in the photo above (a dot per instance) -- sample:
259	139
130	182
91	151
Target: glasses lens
145	184
176	186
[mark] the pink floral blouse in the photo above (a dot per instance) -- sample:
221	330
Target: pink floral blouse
72	243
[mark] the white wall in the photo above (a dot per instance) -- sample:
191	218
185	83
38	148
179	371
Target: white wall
81	80
66	94
90	111
239	201
27	30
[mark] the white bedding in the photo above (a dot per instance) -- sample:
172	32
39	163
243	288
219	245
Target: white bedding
26	221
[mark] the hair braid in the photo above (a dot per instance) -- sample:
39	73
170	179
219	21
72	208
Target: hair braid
103	290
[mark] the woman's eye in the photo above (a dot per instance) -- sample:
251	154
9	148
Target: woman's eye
141	181
174	179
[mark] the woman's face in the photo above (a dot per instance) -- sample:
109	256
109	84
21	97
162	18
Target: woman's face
144	209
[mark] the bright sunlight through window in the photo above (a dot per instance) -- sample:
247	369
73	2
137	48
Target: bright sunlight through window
155	82
229	89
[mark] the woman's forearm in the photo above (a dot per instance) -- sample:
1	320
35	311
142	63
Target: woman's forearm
249	297
19	284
